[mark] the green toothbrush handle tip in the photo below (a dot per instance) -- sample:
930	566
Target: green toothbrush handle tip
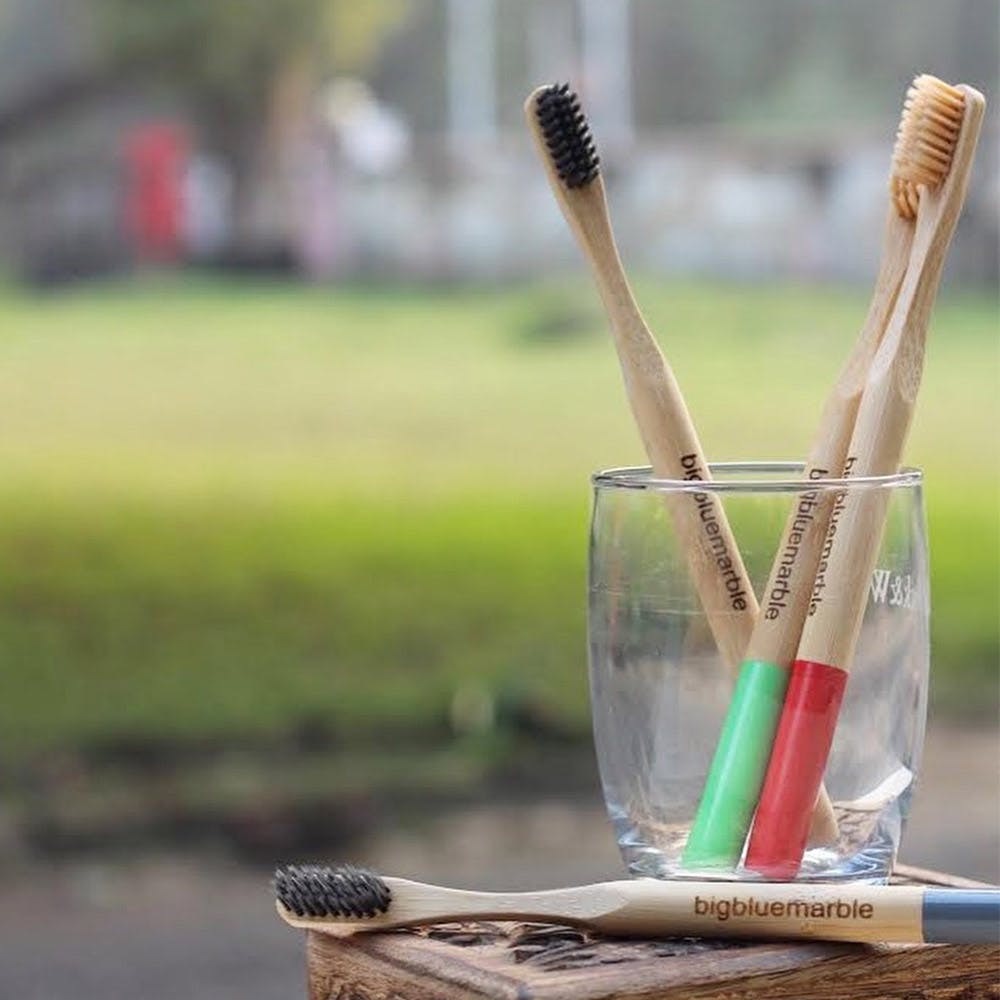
737	772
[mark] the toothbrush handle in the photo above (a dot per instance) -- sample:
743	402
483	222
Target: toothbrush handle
795	771
862	913
966	916
737	772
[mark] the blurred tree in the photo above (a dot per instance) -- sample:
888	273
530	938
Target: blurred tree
225	57
785	60
356	30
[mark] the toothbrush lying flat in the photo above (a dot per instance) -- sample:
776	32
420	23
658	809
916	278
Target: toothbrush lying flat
564	143
737	772
345	899
931	166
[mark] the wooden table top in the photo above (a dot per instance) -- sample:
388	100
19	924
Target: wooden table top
518	961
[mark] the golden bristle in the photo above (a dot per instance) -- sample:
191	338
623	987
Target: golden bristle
925	141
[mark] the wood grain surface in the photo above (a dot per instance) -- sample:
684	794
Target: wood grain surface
518	961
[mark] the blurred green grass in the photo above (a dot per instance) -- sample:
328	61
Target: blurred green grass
226	508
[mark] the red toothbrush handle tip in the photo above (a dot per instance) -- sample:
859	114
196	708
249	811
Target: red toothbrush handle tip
795	770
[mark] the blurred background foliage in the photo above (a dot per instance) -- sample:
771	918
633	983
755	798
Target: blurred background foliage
302	384
226	58
247	517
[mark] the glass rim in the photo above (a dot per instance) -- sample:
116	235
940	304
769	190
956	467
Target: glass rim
640	477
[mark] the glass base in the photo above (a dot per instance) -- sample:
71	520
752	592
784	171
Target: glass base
870	865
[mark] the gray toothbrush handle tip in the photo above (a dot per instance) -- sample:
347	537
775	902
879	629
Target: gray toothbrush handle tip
961	916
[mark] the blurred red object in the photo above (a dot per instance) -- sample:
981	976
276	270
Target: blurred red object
156	159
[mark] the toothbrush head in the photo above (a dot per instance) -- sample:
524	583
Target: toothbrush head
334	891
925	142
566	134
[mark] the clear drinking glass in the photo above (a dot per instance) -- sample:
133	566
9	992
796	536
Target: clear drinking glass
660	687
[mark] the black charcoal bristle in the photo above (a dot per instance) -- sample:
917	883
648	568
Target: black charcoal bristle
331	891
567	135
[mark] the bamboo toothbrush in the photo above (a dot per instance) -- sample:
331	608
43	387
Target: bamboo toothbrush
734	780
931	166
562	136
344	899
